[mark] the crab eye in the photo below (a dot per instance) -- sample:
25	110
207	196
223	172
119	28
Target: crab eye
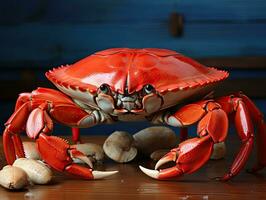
104	88
148	89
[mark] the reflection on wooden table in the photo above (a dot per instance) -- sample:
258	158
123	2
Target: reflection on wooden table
131	183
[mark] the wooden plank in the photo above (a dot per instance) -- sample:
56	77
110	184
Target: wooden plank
130	11
252	87
246	62
226	10
227	63
59	44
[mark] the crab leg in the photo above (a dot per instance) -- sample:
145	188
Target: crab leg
34	116
257	117
245	130
191	154
56	151
15	125
245	112
75	135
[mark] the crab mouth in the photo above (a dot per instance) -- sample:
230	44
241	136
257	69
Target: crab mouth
130	104
127	112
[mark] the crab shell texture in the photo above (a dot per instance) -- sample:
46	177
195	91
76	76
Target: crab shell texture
171	77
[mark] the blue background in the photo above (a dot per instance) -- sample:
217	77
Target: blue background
43	34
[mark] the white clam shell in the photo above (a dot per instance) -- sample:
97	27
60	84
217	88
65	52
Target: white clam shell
37	171
13	178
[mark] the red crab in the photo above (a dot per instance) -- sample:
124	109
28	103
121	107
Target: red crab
135	84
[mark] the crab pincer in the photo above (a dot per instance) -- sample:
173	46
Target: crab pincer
57	153
189	156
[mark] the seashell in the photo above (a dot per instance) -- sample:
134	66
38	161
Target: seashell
119	146
93	151
219	151
158	154
37	171
13	178
154	138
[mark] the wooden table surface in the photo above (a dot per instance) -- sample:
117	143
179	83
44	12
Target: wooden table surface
131	183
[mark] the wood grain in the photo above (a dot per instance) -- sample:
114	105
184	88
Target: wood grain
131	183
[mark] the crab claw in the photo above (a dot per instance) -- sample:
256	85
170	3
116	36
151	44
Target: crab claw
87	173
56	152
171	156
189	157
79	155
151	173
164	173
157	174
102	174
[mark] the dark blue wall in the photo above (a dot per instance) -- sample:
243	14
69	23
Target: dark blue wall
45	33
54	32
